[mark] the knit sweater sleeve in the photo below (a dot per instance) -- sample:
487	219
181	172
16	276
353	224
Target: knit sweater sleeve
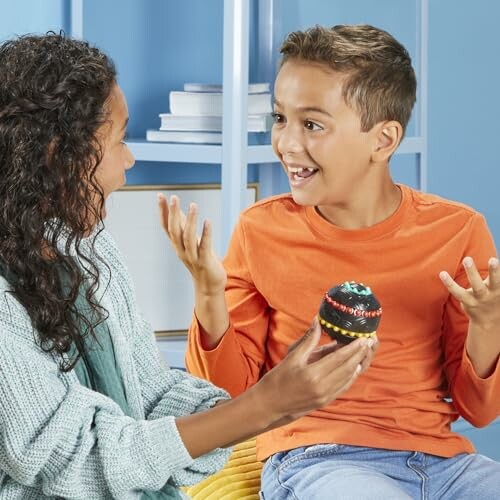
164	392
174	392
66	440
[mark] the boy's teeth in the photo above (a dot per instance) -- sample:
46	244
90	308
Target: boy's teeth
301	169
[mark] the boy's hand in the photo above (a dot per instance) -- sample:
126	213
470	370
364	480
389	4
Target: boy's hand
196	253
481	302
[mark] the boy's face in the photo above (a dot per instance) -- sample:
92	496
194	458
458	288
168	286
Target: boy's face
318	138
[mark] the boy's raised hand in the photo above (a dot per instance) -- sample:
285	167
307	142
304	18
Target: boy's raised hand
481	302
196	253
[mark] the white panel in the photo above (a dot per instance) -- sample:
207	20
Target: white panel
163	286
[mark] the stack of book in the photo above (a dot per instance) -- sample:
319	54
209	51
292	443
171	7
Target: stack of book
196	114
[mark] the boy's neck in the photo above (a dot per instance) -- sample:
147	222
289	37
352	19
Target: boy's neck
364	211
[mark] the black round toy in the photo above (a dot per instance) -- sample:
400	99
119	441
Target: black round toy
350	311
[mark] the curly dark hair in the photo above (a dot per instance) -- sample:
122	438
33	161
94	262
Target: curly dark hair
53	99
380	84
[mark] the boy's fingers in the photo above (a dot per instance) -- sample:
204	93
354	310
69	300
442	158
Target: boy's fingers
476	282
494	273
206	237
454	288
163	210
189	237
172	210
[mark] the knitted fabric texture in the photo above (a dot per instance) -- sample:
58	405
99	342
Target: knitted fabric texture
60	439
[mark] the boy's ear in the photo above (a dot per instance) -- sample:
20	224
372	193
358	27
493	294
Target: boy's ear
388	135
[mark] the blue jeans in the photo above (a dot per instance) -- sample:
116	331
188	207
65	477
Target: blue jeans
338	472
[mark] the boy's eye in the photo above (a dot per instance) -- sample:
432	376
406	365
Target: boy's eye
278	117
309	125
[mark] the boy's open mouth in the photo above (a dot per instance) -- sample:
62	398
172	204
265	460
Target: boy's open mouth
297	173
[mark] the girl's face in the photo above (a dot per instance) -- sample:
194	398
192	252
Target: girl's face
116	158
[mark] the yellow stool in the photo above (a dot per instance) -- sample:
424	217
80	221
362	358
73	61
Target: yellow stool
238	480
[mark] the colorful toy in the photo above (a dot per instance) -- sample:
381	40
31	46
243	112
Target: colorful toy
350	311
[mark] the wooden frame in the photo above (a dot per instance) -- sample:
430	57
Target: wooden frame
163	286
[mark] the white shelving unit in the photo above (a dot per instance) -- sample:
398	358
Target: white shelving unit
235	154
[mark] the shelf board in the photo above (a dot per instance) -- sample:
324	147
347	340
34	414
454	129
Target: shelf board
179	153
209	153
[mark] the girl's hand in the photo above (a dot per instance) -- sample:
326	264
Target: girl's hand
196	253
309	377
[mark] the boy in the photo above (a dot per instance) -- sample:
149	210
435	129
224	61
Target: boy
343	97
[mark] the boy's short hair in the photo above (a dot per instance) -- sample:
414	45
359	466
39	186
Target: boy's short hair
380	81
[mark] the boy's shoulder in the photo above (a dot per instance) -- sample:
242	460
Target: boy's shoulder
271	205
425	200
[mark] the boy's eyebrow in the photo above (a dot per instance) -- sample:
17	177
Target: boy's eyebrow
316	110
307	109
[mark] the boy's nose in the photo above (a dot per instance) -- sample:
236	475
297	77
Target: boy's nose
289	140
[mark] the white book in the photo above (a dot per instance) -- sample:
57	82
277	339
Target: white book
253	88
170	121
210	103
184	136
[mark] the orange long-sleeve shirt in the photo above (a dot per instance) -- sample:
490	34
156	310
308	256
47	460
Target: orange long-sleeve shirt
281	260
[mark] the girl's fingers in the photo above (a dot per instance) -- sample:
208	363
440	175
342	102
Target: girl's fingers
348	370
303	347
354	351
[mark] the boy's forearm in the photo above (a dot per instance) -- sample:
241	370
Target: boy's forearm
212	314
483	349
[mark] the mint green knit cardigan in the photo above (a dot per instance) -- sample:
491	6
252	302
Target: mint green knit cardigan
60	439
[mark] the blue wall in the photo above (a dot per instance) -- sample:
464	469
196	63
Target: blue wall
464	104
159	44
32	16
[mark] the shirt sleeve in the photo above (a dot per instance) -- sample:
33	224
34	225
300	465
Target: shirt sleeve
476	399
236	362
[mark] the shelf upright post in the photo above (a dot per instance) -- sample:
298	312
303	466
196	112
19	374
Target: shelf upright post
234	115
267	53
76	19
422	65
